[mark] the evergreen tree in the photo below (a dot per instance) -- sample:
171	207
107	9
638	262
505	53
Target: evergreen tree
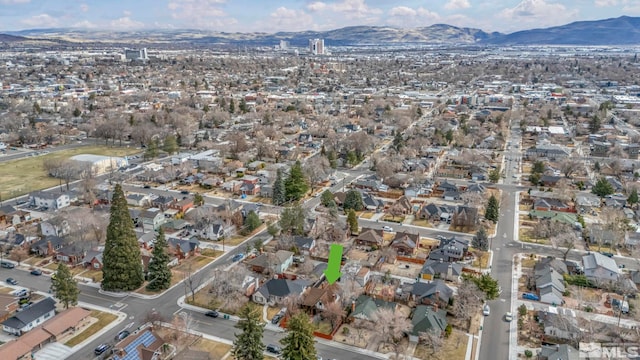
64	287
353	200
122	262
152	150
633	197
333	160
198	199
296	184
326	199
243	106
492	210
248	344
352	220
538	167
299	343
292	220
481	240
77	112
159	272
232	106
278	197
170	145
602	188
594	124
252	221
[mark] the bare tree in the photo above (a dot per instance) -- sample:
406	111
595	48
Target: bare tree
433	340
334	312
66	170
468	301
237	144
19	254
191	282
566	240
570	166
317	169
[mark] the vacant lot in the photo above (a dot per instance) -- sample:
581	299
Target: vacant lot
14	173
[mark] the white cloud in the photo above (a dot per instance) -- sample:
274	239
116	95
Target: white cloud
13	2
41	21
317	6
605	3
404	16
537	13
457	4
200	13
86	24
125	23
284	18
84	7
126	13
350	9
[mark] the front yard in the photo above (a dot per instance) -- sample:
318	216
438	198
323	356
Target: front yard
454	348
103	319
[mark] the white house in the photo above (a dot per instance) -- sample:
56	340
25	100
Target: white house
31	317
599	268
51	200
152	218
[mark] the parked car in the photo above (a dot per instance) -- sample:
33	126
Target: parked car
147	186
530	296
36	272
237	257
185	192
7	265
607	254
20	293
486	310
274	349
276	319
212	313
101	349
12	281
122	335
508	317
387	229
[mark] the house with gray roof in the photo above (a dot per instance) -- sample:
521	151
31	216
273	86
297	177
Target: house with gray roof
550	284
30	317
275	291
600	268
558	322
558	352
439	269
425	319
434	292
365	307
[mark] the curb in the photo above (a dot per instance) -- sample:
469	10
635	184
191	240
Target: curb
121	317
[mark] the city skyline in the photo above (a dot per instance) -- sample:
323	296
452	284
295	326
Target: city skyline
298	15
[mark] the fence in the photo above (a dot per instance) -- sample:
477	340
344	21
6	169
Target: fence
411	260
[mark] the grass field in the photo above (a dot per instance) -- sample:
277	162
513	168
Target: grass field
104	319
216	350
15	172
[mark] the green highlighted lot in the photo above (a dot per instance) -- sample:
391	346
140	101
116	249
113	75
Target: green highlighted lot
22	176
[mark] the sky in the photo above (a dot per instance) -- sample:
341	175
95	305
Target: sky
297	15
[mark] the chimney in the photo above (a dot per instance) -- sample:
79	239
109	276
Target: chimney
353	306
49	248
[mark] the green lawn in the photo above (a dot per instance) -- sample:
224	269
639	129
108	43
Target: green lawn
104	319
14	173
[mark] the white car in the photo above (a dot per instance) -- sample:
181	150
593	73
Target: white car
486	310
508	317
387	229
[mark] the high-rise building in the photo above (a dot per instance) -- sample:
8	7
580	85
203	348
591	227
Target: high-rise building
316	46
136	54
284	45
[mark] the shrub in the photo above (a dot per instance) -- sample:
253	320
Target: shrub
528	354
522	310
448	330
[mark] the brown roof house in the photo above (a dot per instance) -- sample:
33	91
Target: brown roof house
405	243
370	237
145	345
274	263
316	299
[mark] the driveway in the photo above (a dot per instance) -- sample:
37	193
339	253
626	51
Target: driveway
53	351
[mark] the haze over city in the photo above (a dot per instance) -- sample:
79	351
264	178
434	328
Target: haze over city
298	15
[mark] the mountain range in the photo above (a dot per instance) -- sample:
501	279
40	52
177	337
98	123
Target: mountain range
623	30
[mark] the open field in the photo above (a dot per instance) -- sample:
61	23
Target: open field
15	172
104	319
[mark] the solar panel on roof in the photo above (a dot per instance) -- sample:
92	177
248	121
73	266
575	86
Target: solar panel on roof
145	339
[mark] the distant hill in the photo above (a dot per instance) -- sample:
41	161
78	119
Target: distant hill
624	30
11	38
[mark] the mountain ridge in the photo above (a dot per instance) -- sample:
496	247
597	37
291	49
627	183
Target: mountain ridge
623	30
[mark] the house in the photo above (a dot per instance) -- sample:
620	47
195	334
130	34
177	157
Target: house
47	246
139	200
405	243
370	237
600	268
182	248
435	292
31	317
67	322
162	202
403	204
560	323
316	299
58	229
272	263
439	269
50	200
212	231
144	345
559	352
476	188
152	219
93	259
16	349
182	205
586	201
451	249
275	291
542	266
365	307
465	216
370	203
72	254
550	180
550	284
304	244
426	319
436	212
548	204
8	305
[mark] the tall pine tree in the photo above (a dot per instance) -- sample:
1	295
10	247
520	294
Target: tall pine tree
492	210
64	287
296	184
248	344
122	262
278	197
159	272
299	343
